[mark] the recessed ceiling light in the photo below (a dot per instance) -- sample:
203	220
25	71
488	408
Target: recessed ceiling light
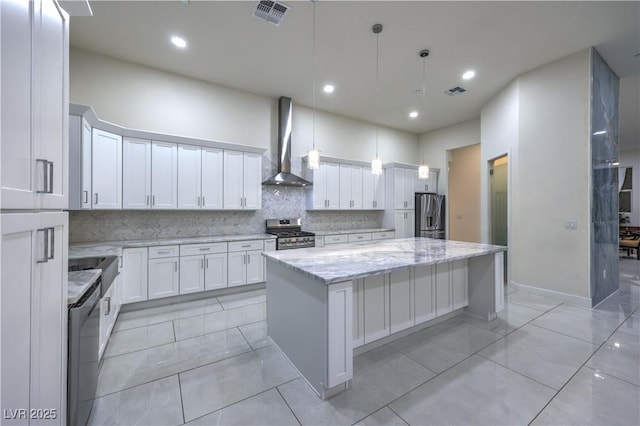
468	75
328	88
179	42
413	114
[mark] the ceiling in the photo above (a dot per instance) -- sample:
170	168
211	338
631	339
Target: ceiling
499	40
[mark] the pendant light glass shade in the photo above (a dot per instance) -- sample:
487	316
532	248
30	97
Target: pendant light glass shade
376	166
423	172
313	159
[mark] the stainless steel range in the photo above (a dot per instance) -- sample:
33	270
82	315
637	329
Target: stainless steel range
290	234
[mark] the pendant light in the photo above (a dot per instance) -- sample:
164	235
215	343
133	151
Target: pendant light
313	156
423	170
376	163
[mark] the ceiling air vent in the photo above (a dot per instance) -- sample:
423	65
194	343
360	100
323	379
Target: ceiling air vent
270	11
455	91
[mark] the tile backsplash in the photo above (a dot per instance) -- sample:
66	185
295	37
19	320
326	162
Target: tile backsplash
277	202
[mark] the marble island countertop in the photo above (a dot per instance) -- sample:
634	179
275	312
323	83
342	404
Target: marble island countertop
79	282
352	231
114	248
358	260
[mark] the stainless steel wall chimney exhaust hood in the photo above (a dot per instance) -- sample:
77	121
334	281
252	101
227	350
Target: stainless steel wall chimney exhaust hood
284	177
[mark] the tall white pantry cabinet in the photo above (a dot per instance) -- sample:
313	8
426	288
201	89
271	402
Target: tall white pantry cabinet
34	178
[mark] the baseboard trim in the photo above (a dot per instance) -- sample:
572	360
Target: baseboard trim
583	302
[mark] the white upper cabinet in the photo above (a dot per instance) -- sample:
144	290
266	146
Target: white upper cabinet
350	186
242	180
189	177
164	175
212	179
34	105
106	166
325	192
373	192
430	184
85	168
79	163
136	173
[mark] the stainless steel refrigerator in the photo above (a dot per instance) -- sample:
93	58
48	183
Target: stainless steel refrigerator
430	215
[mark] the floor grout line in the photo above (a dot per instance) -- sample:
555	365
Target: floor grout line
287	402
184	418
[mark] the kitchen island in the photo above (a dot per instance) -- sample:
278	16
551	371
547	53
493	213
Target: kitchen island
324	302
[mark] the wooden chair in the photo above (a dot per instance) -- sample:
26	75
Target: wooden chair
630	241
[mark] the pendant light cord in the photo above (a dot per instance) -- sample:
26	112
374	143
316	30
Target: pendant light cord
377	88
313	75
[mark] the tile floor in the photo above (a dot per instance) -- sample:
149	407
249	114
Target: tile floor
541	362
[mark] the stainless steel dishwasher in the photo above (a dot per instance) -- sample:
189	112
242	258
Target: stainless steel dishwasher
84	330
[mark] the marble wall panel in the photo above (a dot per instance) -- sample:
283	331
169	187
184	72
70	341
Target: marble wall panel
604	180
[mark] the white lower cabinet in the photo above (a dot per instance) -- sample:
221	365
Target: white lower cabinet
424	294
444	302
376	308
105	320
134	275
191	274
401	309
245	263
340	346
34	313
498	270
215	274
164	277
459	285
404	223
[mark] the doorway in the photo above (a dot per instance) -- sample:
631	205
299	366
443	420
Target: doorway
499	190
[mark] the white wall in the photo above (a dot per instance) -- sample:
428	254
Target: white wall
144	98
433	147
542	121
631	158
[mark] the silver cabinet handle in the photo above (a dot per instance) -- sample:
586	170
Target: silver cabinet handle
95	196
153	200
246	246
44	170
176	265
107	301
52	243
50	164
201	263
86	196
244	259
241	204
206	261
203	201
198	201
205	249
45	257
248	259
164	251
147	201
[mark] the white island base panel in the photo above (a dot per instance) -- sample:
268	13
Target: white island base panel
317	325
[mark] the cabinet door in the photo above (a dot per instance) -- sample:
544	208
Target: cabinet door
376	308
410	224
189	177
237	268
498	268
379	191
212	179
401	223
401	310
85	165
105	320
191	274
410	177
358	313
164	175
215	274
18	247
424	294
356	187
399	193
319	188
106	166
50	91
233	176
345	186
163	277
368	189
255	267
333	185
18	156
459	287
134	275
252	181
136	173
444	299
339	337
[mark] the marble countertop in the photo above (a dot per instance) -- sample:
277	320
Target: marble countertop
352	231
114	248
79	282
347	262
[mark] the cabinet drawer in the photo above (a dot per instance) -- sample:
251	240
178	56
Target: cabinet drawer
206	248
163	251
382	235
336	239
359	237
246	245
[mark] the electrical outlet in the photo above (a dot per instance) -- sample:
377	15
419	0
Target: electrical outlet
570	224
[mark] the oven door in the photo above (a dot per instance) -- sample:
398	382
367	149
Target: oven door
84	332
